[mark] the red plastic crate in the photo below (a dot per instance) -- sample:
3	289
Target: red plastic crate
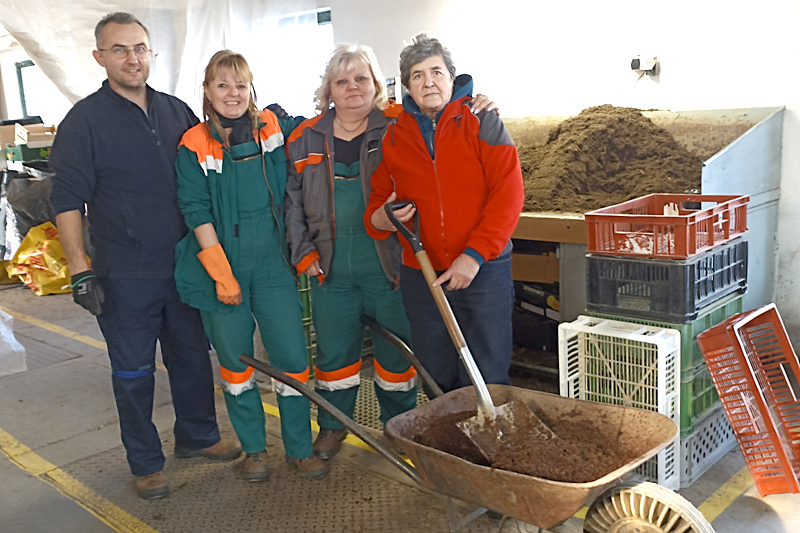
640	228
755	371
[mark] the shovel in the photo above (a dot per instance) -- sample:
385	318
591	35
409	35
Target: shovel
494	428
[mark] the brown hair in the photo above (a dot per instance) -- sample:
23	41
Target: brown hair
119	17
237	63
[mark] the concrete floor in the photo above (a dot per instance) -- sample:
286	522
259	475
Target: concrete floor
63	470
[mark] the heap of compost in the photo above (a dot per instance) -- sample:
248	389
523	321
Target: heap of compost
579	454
603	156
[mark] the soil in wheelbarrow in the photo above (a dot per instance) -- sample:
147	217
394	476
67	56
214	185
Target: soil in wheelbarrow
578	454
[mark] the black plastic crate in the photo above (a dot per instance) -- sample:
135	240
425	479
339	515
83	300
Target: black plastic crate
665	290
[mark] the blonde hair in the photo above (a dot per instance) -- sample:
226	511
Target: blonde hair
225	59
345	57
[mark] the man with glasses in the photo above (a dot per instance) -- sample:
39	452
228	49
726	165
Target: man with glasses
114	159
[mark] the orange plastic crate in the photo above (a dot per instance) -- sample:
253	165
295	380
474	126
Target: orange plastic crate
755	371
640	228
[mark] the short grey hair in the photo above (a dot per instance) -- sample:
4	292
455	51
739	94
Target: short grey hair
119	17
345	57
421	48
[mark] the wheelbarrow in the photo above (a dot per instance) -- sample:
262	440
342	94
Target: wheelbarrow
617	507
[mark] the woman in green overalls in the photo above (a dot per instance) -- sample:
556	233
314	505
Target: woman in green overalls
233	265
333	156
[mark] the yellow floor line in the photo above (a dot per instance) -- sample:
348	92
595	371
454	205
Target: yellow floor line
56	329
104	510
711	508
64	332
724	496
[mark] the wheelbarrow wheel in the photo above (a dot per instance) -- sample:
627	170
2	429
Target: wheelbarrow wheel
643	508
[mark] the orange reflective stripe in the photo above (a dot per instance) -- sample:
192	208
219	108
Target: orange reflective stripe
235	378
312	159
199	140
270	126
393	377
298	131
302	377
335	375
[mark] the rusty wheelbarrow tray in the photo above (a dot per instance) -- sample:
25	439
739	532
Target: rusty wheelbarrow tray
537	501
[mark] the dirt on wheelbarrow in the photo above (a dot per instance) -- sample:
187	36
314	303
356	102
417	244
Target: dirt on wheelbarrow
578	455
603	156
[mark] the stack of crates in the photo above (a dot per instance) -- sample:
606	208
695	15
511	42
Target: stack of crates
677	262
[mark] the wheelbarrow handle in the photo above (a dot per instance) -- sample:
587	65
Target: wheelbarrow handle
398	343
412	238
339	416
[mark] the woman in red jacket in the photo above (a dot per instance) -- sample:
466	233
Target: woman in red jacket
462	171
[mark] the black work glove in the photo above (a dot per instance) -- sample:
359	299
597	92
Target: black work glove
87	292
279	111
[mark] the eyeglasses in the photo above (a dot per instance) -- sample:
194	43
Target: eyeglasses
121	52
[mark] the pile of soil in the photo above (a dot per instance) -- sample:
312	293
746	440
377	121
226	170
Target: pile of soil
603	156
579	454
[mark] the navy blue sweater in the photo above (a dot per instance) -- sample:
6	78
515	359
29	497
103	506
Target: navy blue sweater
119	161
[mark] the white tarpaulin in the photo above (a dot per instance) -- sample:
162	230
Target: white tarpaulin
12	353
59	38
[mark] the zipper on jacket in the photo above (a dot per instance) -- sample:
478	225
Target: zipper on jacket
274	214
439	192
332	179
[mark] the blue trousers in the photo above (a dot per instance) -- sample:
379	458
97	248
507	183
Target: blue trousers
482	310
136	313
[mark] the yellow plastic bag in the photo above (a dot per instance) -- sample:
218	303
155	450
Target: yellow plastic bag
5	279
40	262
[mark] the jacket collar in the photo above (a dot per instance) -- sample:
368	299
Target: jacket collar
106	88
325	123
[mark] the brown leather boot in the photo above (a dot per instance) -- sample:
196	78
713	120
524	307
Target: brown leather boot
254	467
329	442
152	487
224	450
311	467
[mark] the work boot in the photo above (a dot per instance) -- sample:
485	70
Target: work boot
254	467
224	450
329	442
152	487
311	467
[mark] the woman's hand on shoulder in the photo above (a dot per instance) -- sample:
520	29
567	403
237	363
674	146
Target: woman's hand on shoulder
482	102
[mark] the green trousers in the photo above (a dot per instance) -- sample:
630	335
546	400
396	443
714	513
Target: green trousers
270	299
356	285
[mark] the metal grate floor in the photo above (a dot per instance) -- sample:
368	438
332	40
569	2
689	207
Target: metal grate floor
38	354
207	496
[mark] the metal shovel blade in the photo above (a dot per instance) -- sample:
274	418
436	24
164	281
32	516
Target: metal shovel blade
514	426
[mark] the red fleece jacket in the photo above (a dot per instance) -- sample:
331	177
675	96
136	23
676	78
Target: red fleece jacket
469	196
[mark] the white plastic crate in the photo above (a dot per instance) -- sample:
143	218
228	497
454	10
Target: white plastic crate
633	365
712	438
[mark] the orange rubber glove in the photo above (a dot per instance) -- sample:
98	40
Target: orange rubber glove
218	267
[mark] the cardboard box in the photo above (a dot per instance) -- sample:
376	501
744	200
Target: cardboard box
12	134
539	268
40	135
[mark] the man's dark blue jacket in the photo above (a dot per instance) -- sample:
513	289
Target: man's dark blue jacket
120	161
